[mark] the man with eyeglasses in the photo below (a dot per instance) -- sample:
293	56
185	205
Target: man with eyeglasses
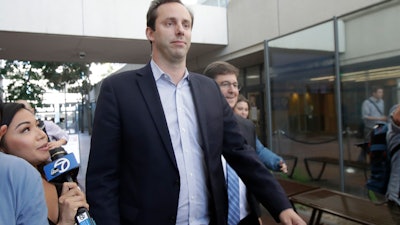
225	75
227	85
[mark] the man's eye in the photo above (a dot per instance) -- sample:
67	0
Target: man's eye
225	83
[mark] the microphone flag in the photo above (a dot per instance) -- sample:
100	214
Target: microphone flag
57	168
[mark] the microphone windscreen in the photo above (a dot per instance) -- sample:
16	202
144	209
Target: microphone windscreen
57	153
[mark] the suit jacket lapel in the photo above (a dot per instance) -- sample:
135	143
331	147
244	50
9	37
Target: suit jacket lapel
148	88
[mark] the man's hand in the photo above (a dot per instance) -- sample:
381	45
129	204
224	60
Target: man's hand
56	144
290	217
283	166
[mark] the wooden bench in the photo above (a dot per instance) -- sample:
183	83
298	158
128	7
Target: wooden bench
345	206
333	161
291	188
294	188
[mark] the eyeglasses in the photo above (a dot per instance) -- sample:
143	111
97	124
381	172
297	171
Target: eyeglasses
227	85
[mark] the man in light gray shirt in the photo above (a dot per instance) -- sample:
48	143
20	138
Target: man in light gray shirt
373	110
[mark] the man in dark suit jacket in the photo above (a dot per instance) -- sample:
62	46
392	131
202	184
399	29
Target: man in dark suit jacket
158	136
225	75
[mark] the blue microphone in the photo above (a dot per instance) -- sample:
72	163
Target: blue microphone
62	169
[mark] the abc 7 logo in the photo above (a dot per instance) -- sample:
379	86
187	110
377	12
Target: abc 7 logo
62	165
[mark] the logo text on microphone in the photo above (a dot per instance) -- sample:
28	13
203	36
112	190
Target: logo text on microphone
60	166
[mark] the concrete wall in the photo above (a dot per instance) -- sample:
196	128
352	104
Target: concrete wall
102	18
251	22
245	24
379	30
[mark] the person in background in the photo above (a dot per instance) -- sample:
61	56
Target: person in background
373	111
21	193
158	136
57	136
225	75
270	159
23	138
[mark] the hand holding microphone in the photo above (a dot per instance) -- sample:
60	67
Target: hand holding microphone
62	169
71	198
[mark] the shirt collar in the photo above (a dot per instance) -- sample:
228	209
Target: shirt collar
157	72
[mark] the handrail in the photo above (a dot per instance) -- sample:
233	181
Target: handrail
305	142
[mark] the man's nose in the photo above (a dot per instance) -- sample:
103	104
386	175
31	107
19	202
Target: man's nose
180	29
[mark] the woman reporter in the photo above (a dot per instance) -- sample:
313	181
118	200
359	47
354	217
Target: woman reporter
23	138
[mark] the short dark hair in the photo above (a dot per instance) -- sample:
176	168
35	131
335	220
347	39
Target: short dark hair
220	68
375	88
152	12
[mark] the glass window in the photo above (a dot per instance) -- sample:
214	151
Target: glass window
253	75
305	95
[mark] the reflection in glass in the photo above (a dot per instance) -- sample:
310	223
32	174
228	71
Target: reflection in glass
300	81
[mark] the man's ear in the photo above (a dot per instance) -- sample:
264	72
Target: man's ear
149	34
3	130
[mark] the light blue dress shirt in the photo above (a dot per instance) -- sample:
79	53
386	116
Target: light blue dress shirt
180	113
